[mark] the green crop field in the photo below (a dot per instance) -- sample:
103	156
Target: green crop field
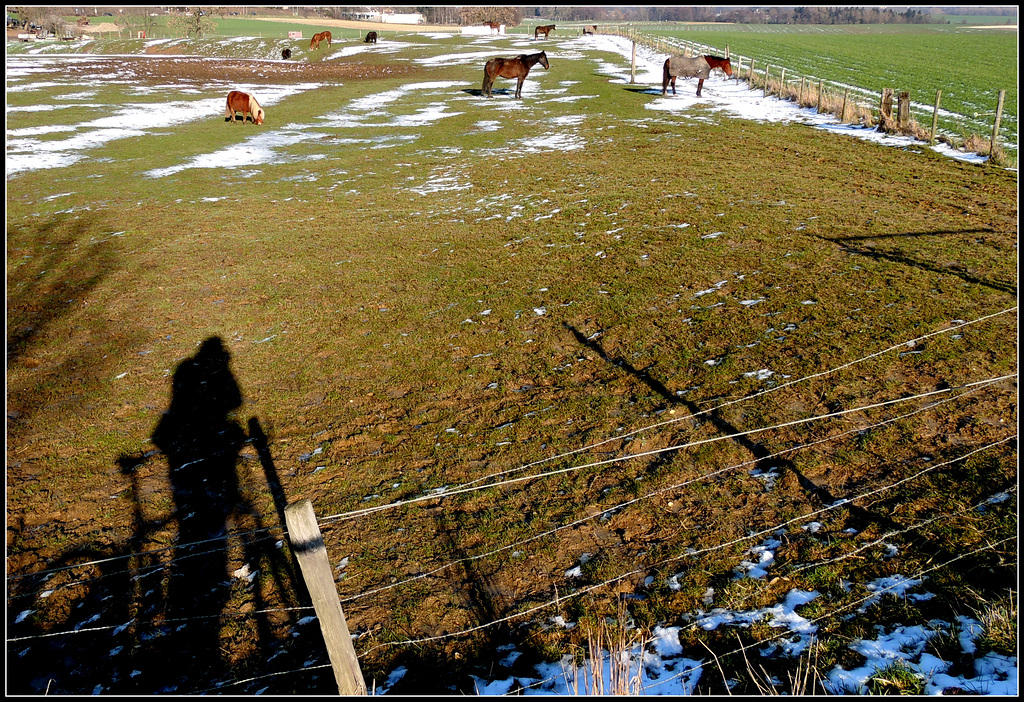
969	66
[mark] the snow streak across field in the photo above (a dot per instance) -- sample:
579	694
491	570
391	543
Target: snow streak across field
414	104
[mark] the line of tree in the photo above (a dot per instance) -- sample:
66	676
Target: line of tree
742	15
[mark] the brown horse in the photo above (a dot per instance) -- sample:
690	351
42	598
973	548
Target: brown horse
589	29
244	103
314	43
495	26
699	67
545	30
371	38
517	68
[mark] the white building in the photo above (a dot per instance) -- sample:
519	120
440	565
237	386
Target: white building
367	14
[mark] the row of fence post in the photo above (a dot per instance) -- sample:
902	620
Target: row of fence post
885	111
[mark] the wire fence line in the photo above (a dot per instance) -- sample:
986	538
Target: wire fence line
450	493
467	487
638	571
654	452
558	600
919	575
971	389
813	376
963	391
676	486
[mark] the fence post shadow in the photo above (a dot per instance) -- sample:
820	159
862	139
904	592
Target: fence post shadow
762	454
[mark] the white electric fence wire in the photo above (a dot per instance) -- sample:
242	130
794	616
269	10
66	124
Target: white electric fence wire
691	553
512	481
910	343
676	486
815	620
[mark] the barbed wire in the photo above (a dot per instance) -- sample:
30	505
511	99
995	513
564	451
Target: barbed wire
513	481
689	554
465	487
622	505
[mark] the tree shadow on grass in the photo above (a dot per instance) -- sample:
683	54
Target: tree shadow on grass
855	246
764	459
54	266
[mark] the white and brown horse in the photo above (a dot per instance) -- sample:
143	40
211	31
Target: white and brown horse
314	43
246	104
698	67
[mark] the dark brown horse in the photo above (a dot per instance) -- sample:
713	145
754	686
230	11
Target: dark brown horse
545	30
314	43
699	67
495	26
371	38
517	68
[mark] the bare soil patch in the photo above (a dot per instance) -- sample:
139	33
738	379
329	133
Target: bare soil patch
161	70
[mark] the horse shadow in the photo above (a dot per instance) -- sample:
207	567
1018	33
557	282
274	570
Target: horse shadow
477	92
200	595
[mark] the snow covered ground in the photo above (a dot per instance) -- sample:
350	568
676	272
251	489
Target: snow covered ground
26	151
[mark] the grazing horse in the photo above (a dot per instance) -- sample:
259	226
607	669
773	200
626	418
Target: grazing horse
545	30
244	103
589	29
516	68
314	43
286	54
699	67
371	38
495	27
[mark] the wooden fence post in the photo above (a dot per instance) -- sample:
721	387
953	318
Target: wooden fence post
766	69
995	125
782	84
750	76
903	110
819	96
935	115
308	546
800	100
885	110
632	65
846	94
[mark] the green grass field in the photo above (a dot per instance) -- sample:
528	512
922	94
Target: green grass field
413	303
970	67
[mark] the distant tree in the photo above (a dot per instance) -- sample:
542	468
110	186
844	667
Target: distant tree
509	16
193	22
137	19
447	15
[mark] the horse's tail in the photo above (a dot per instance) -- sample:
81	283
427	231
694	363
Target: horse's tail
664	78
485	89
